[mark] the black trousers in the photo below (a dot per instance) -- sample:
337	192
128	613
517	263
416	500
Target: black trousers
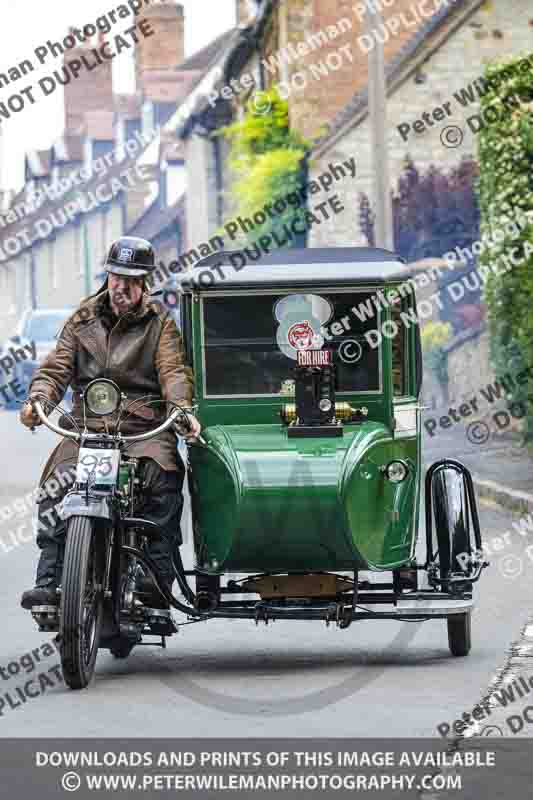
162	503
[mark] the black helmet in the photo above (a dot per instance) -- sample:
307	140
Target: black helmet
130	256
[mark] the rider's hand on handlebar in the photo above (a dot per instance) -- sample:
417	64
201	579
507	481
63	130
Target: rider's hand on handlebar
28	416
192	431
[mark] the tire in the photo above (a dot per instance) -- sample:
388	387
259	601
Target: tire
453	537
83	566
459	634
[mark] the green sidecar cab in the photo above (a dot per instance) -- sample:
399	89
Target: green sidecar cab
308	371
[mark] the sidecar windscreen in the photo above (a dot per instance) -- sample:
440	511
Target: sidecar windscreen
250	342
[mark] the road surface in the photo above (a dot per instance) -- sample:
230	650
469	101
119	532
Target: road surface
233	679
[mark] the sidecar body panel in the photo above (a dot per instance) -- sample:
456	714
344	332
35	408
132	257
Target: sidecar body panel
264	502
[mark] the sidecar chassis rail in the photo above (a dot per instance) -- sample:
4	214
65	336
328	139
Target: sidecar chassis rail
417	606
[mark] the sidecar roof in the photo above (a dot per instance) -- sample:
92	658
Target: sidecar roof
335	266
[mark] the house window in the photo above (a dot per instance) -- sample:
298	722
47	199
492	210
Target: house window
121	138
30	190
52	266
148	121
88	153
78	249
176	179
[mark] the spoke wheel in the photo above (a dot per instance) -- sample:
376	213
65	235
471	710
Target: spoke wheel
82	604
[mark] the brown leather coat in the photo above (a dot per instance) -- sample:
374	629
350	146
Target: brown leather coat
142	352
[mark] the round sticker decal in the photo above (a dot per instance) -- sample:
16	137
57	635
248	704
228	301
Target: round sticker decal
301	318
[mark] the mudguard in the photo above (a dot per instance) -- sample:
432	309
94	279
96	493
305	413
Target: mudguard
75	504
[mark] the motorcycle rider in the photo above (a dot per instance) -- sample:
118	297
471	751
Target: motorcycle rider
122	334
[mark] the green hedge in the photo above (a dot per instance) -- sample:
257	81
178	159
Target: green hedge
506	193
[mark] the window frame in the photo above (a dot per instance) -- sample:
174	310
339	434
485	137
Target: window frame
283	292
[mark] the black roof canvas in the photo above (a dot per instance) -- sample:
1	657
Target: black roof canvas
341	266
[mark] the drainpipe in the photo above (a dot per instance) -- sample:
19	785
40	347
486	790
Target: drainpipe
218	178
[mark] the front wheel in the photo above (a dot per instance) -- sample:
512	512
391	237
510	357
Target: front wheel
82	597
459	634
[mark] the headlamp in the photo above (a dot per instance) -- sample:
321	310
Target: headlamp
102	397
396	471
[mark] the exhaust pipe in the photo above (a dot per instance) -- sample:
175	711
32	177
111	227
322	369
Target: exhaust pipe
206	602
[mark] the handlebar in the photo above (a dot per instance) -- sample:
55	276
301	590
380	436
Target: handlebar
51	425
141	437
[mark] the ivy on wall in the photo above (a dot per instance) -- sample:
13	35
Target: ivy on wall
267	162
505	191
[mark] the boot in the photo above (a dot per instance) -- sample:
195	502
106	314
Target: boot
40	596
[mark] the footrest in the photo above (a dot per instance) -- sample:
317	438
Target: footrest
160	621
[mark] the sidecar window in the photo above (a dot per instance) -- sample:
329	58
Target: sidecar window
246	353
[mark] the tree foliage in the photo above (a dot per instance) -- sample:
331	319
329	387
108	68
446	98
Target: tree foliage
506	193
433	211
267	160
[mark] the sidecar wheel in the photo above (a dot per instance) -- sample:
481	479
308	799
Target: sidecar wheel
82	605
460	634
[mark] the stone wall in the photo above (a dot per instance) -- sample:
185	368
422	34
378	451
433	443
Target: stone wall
468	368
497	28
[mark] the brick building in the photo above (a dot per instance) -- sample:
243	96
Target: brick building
438	63
128	179
441	57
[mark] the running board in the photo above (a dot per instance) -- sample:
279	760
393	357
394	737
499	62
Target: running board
420	607
426	606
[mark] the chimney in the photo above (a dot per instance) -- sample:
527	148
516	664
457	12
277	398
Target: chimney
165	49
91	91
246	11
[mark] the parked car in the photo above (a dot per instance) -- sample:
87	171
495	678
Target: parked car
40	327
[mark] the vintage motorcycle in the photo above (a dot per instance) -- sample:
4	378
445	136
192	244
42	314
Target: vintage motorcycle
306	485
105	544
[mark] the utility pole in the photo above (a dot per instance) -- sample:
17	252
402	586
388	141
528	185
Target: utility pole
377	102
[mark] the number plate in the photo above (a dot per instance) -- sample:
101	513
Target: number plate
98	466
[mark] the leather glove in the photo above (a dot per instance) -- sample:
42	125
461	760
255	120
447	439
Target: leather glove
28	416
192	431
